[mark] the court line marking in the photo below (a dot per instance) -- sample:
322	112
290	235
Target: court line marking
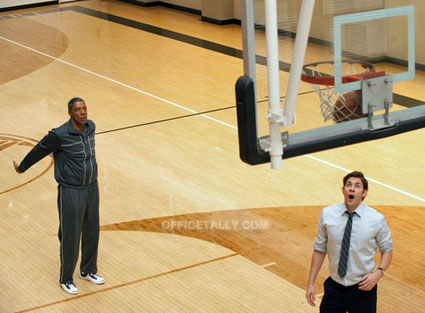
177	270
369	178
117	82
194	112
268	264
163	120
33	178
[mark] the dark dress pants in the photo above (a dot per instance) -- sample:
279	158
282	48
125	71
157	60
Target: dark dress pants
340	299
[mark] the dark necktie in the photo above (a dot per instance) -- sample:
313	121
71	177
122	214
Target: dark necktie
342	265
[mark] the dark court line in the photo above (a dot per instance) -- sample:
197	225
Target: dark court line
128	283
164	120
283	97
161	32
182	116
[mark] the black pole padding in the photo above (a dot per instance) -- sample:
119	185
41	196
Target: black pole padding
249	150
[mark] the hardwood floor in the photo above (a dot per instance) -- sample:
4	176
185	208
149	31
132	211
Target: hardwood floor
186	226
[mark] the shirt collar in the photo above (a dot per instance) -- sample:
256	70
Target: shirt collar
359	210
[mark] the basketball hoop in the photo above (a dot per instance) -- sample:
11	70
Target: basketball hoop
338	107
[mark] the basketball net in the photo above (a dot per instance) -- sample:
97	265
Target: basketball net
335	106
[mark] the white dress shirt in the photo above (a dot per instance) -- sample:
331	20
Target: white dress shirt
369	231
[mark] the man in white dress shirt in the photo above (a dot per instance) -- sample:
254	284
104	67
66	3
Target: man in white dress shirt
350	234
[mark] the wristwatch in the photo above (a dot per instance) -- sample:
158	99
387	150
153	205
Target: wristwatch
381	269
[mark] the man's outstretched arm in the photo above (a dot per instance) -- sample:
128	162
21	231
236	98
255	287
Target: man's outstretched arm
47	145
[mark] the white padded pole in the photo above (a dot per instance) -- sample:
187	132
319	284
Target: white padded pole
275	113
301	40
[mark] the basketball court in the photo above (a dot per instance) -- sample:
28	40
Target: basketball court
186	225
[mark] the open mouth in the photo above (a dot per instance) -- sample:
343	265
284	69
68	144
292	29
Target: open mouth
351	197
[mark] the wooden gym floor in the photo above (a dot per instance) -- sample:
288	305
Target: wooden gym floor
186	226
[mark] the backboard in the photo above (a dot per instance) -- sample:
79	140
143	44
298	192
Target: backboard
377	32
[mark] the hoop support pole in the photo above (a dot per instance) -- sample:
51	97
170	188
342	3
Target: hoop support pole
274	116
301	40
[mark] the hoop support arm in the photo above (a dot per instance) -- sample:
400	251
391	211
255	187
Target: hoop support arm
301	40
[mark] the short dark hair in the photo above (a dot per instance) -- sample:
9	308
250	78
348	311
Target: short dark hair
357	174
72	101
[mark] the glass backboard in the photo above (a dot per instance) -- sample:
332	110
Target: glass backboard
376	32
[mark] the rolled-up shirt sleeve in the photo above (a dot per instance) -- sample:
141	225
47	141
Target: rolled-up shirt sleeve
321	241
383	238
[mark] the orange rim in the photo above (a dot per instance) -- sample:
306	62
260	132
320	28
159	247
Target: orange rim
330	80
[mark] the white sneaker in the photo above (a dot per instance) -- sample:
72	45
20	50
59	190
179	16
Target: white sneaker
95	279
70	288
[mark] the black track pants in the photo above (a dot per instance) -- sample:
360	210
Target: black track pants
78	218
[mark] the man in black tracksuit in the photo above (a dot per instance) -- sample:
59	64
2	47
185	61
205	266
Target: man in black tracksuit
73	148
